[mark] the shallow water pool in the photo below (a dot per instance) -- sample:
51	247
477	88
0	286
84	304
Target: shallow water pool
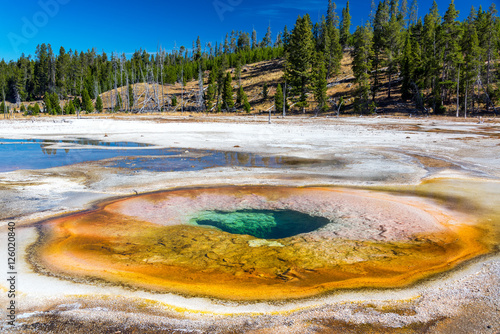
16	154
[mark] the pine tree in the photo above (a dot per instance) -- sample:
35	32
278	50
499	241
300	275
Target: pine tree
239	96
416	67
77	103
265	91
452	55
413	13
3	108
320	82
242	100
71	108
380	43
197	55
226	44
404	13
246	105
318	34
333	49
393	46
362	55
47	101
220	72
407	69
237	71
267	41
227	93
87	102
62	63
299	59
371	17
99	107
209	97
345	26
472	60
286	38
489	35
41	70
431	54
331	16
55	103
278	99
36	109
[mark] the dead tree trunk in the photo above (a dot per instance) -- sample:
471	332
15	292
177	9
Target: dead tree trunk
458	87
4	105
162	60
96	89
465	102
182	87
127	93
134	82
201	103
110	94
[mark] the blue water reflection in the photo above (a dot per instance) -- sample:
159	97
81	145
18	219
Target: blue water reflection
18	154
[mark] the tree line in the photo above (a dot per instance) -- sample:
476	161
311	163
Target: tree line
436	63
442	64
83	76
439	62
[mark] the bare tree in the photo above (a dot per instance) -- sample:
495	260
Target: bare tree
127	93
200	100
115	66
182	87
96	88
133	87
458	86
465	102
4	104
162	61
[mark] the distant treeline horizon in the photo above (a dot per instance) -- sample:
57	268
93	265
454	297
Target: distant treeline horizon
438	61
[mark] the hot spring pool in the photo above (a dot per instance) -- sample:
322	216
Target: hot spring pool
263	224
254	243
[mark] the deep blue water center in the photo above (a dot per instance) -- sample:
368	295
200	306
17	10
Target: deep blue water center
263	224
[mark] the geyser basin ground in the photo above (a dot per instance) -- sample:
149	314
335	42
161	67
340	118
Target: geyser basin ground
376	152
352	239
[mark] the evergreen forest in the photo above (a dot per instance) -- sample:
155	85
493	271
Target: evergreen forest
431	64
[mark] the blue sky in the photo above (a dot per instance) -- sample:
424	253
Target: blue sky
125	26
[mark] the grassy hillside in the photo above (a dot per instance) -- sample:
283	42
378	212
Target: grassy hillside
254	76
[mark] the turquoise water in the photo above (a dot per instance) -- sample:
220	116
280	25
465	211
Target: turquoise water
263	224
